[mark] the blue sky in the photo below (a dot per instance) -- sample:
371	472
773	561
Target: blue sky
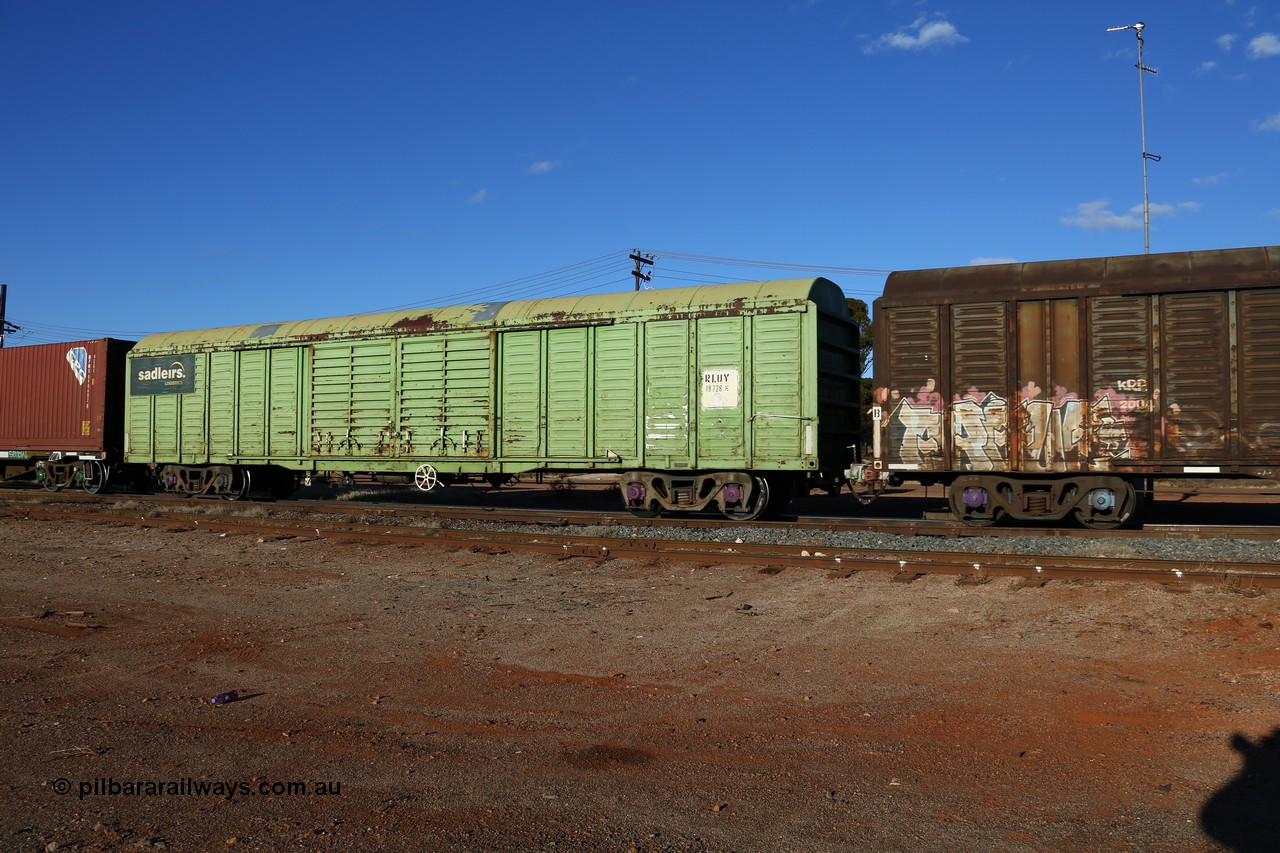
182	165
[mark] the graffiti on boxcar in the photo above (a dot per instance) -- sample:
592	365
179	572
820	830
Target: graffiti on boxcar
1053	430
1197	429
1110	422
980	430
1058	432
1114	422
915	426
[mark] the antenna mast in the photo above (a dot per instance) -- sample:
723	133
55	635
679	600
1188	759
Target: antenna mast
1142	119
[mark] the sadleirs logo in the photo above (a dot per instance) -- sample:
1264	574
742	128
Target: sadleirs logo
78	358
173	374
175	371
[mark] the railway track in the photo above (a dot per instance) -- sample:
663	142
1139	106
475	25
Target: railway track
932	524
404	526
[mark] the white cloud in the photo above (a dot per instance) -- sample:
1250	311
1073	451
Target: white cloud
1098	216
1227	41
982	262
1210	180
478	197
1205	68
1264	45
1271	122
541	167
1163	209
923	34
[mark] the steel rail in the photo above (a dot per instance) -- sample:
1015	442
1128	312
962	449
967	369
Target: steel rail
931	525
903	565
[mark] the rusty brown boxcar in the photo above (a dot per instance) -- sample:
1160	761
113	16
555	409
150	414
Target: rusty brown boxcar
1042	390
62	411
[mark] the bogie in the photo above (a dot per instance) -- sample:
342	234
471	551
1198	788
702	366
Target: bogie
1098	502
739	496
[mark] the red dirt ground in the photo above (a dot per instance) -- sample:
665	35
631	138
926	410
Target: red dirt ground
461	700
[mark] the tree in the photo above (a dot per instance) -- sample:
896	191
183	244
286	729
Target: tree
861	316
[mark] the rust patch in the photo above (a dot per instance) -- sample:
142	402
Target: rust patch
420	323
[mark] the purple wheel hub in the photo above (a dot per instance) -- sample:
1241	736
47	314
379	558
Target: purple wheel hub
975	498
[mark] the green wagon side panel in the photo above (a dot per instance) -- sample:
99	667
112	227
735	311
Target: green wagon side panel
721	403
568	390
165	427
251	437
444	395
520	406
617	415
351	399
777	391
223	405
194	407
666	393
139	446
284	432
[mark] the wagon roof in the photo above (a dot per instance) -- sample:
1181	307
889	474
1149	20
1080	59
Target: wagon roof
1173	271
709	300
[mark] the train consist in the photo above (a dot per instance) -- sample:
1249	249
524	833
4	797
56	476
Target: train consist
1033	391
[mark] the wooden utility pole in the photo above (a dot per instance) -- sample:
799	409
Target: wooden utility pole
5	325
640	260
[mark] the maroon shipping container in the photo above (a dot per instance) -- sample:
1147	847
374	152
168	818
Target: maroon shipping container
62	398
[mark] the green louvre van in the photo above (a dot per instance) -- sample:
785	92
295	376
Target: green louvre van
725	396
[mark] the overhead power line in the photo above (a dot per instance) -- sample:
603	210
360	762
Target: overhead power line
777	265
537	284
612	271
606	272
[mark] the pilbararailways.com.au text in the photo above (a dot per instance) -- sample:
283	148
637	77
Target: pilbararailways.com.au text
227	790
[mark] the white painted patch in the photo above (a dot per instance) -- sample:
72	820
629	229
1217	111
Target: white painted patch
720	388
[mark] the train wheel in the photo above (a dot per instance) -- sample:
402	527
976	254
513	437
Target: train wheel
46	480
95	477
758	506
653	510
1107	508
426	478
239	486
974	505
